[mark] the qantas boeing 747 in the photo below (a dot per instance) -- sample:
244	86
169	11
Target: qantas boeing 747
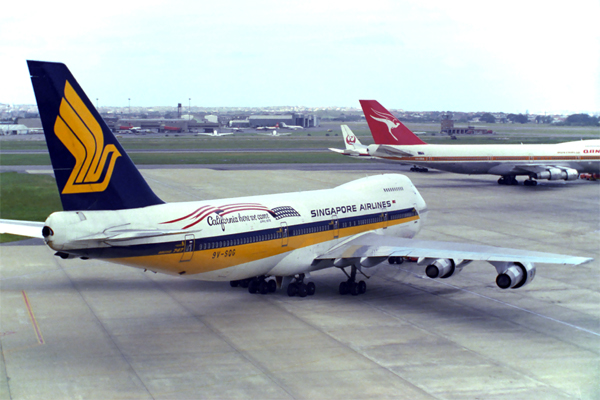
111	213
395	142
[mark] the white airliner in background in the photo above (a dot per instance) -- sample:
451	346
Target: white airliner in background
395	142
110	213
274	133
292	127
354	147
215	133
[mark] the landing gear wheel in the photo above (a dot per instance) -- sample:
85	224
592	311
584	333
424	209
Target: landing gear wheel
310	288
343	288
272	286
234	283
253	286
292	289
302	290
263	287
354	289
362	287
508	180
245	283
530	182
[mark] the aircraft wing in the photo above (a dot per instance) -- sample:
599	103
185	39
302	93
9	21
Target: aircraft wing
372	247
383	150
22	228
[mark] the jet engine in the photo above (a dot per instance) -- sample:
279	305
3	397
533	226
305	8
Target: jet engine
554	174
442	267
516	275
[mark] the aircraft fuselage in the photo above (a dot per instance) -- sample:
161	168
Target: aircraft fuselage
583	156
242	237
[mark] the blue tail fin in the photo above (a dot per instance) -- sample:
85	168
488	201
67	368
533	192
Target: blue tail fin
92	170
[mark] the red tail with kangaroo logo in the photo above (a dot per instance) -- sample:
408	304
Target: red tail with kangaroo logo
385	128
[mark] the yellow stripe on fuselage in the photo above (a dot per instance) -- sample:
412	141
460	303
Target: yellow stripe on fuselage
225	257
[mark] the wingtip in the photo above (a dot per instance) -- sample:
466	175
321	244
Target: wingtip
584	260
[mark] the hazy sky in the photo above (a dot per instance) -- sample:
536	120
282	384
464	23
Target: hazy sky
509	56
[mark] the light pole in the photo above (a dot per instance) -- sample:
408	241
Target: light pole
129	107
189	108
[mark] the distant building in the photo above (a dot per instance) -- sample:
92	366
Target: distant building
31	123
305	121
164	124
447	123
239	123
13	129
448	128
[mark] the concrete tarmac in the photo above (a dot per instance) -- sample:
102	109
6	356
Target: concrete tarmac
89	329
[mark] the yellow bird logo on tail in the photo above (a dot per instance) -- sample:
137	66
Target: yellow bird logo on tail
82	135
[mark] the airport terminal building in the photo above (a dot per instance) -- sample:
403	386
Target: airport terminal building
255	121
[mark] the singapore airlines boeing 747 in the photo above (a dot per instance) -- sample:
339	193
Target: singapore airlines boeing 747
395	142
264	242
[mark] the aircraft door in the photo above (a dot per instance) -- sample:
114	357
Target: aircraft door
385	219
336	227
188	250
284	234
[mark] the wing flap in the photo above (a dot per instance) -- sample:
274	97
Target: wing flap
383	150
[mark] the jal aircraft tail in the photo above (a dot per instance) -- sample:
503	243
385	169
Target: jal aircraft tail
385	128
350	140
353	146
92	170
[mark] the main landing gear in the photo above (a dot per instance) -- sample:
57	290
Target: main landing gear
511	180
260	284
351	286
529	182
508	180
415	168
298	287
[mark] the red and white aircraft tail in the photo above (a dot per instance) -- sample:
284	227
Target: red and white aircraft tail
385	128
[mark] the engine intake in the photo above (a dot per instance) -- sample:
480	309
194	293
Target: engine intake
440	268
515	276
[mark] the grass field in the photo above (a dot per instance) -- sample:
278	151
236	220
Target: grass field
27	197
320	138
200	158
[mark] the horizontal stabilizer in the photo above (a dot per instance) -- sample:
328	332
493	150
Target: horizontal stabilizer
121	235
22	228
347	152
